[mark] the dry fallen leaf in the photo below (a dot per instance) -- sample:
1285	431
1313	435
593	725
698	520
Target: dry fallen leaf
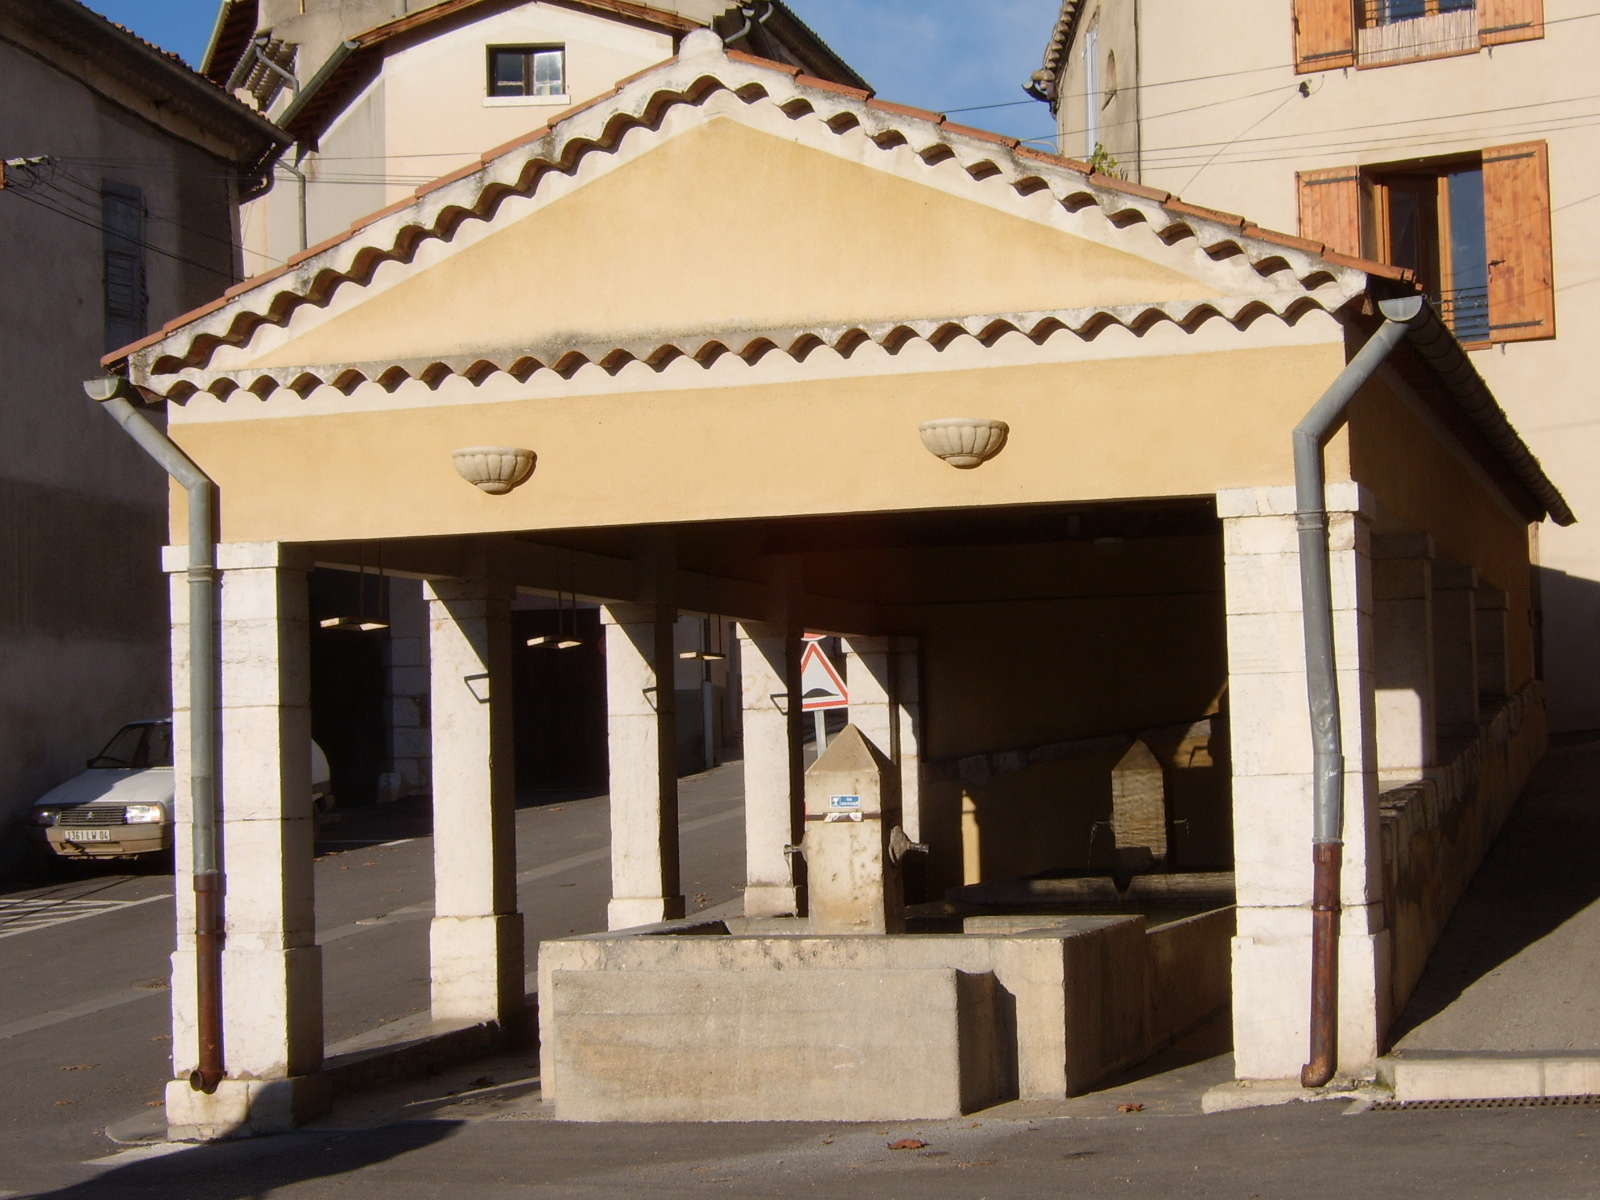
155	1103
1130	1108
64	1103
162	1037
81	1067
908	1144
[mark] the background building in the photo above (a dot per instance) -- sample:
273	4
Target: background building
382	96
124	170
1451	137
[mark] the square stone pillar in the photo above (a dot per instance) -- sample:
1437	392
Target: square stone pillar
1455	649
1402	597
272	1031
1494	668
774	770
476	937
640	699
1272	784
884	678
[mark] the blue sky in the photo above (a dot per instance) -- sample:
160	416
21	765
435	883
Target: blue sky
939	54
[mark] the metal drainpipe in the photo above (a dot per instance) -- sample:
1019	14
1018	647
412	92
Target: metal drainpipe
114	394
1322	684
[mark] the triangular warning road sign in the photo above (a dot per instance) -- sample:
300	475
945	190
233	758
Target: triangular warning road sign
821	686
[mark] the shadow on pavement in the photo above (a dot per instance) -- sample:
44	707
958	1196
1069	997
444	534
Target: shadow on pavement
1543	870
255	1167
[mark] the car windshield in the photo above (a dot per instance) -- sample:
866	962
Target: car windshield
138	747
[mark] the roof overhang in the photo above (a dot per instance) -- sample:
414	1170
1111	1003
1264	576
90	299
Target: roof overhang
174	88
1272	274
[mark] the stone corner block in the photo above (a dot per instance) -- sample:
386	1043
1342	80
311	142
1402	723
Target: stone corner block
245	1107
258	556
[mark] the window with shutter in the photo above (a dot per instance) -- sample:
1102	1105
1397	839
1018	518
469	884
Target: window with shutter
122	241
1330	208
1516	187
1324	35
1474	229
1501	21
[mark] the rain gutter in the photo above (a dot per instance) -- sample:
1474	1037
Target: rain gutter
1322	684
116	396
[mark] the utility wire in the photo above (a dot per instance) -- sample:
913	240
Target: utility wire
24	196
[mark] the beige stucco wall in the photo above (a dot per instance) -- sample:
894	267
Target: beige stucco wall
1117	54
1241	105
758	233
429	114
1116	428
1436	489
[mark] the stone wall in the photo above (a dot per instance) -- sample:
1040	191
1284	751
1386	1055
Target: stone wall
1436	832
663	1026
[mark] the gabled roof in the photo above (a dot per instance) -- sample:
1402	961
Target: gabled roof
156	73
1266	272
1289	272
354	61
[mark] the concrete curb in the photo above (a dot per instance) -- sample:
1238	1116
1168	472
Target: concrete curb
1487	1076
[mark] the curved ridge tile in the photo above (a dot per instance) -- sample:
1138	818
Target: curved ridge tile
438	212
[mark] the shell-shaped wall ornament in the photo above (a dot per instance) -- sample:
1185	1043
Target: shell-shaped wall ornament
494	469
965	442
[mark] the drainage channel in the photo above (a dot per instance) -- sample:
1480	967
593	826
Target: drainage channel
1506	1102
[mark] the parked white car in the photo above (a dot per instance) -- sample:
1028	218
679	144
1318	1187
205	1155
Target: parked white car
123	804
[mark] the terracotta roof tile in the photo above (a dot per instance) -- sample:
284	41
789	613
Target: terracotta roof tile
1368	266
389	211
312	251
769	64
1027	153
905	110
578	109
1055	160
1283	239
1184	208
132	348
460	173
1114	184
204	310
253	282
827	85
638	75
982	135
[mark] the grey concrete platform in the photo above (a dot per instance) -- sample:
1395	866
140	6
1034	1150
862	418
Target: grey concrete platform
1508	1006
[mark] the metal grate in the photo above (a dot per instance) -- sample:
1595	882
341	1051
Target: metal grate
94	814
1505	1102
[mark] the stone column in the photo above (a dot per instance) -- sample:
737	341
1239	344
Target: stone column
1494	678
271	966
1402	595
408	716
1272	785
640	699
1455	649
774	773
476	937
884	677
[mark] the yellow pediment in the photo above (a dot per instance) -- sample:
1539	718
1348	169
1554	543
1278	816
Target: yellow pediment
728	227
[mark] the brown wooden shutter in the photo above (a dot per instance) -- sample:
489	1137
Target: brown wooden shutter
1516	217
1330	208
1509	21
1324	35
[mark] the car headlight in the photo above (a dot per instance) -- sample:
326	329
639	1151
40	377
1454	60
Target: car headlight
45	816
145	814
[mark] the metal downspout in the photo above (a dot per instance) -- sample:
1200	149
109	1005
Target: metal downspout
1322	683
113	394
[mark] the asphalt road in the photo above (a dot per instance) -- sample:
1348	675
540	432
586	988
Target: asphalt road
84	1017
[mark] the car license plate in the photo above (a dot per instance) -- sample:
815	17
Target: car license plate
90	835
